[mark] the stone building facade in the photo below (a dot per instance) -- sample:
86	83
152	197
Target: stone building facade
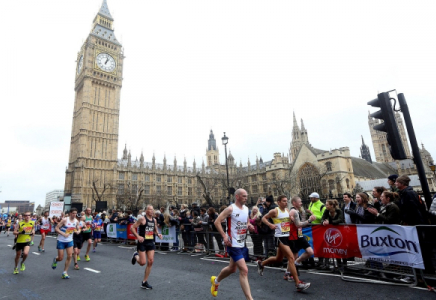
95	173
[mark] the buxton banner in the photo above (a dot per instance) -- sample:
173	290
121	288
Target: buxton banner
394	244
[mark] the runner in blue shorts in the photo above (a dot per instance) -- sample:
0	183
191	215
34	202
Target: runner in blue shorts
65	230
237	225
96	225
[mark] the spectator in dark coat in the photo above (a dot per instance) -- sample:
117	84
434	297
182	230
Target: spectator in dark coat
389	212
409	203
332	214
348	204
361	213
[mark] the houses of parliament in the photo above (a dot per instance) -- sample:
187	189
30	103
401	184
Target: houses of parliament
95	173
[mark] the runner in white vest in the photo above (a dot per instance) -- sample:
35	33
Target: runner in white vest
237	225
65	230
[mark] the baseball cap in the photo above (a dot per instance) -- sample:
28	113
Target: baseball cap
314	195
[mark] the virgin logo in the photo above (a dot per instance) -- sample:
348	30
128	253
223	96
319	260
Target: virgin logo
333	237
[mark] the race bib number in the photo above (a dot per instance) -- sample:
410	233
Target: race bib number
97	228
28	229
300	232
149	235
70	230
45	226
285	226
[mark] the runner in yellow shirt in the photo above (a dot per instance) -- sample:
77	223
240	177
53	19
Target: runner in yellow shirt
24	231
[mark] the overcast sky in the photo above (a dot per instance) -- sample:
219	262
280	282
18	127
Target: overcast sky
241	67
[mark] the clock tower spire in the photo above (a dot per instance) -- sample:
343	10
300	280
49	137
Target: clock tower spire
94	133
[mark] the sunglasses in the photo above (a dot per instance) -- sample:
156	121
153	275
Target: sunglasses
27	215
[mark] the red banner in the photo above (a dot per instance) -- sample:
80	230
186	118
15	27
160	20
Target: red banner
130	235
335	241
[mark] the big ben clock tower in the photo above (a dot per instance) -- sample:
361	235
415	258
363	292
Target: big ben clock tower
94	133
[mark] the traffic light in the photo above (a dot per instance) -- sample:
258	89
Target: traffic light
389	125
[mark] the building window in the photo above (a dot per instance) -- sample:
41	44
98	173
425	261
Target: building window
253	178
147	178
121	176
169	179
179	191
134	189
190	191
147	190
265	188
158	189
158	178
348	183
189	181
328	165
121	189
170	190
331	185
134	177
255	189
263	176
180	180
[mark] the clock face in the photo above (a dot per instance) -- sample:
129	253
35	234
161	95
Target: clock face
80	65
105	62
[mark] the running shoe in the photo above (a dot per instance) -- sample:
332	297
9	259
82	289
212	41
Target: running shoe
31	243
76	267
87	258
288	277
260	268
43	250
23	267
65	275
39	248
78	258
16	271
406	279
214	286
134	258
301	286
146	286
93	250
54	264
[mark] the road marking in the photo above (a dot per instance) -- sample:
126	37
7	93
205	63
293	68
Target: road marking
92	270
36	253
9	245
124	247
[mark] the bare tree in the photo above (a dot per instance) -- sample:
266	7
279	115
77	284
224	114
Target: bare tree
98	193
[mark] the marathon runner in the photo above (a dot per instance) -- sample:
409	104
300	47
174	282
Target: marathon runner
65	230
34	219
8	225
45	229
296	238
24	230
96	225
147	228
2	223
86	233
280	217
237	224
78	241
16	222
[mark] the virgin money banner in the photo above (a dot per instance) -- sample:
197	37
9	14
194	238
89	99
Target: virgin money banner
394	244
168	234
111	230
335	241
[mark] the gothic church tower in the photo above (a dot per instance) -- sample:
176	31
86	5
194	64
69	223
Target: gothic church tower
212	152
94	133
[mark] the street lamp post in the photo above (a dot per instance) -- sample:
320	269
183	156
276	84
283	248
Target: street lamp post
225	141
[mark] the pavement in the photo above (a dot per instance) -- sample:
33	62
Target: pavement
110	275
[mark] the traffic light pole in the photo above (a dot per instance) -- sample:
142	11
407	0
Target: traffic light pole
415	149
